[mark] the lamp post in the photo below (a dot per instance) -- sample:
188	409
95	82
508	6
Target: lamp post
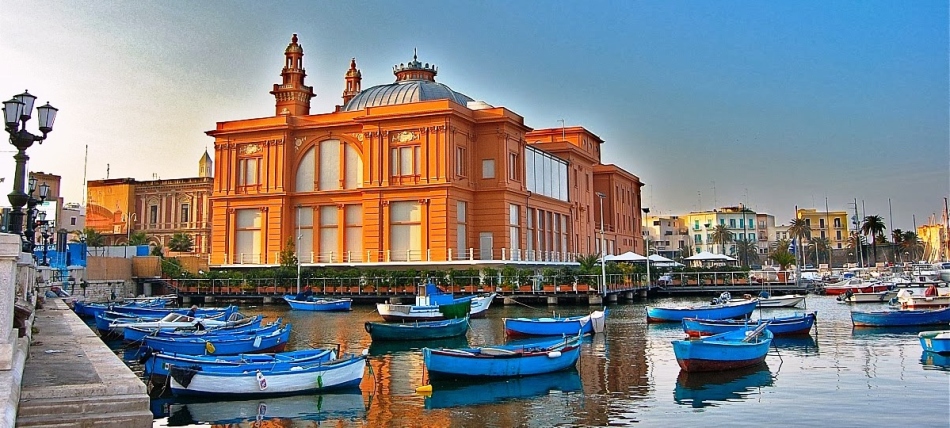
32	213
44	230
129	221
646	247
16	112
603	246
297	249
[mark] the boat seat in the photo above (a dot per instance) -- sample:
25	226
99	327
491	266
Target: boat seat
496	351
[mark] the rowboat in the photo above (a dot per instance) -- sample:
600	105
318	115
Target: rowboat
344	372
156	364
503	360
875	297
161	312
556	326
220	345
475	392
725	351
433	304
90	310
799	324
788	301
935	341
346	408
324	304
113	323
417	330
717	310
856	285
245	327
900	318
701	389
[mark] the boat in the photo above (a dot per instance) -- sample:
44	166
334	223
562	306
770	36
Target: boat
503	360
433	304
246	327
90	310
725	351
112	324
859	297
161	312
795	325
377	348
935	341
931	298
321	409
156	364
855	285
767	300
176	320
220	345
721	308
417	330
900	318
324	304
224	381
474	392
702	389
556	326
935	361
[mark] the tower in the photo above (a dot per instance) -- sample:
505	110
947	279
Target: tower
205	166
353	79
293	97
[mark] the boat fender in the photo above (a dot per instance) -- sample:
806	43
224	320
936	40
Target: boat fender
209	347
261	381
257	341
554	354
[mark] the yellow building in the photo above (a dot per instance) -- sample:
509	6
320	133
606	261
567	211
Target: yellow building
410	172
830	225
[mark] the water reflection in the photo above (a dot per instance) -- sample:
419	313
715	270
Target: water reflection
701	389
800	345
392	347
456	393
321	408
935	361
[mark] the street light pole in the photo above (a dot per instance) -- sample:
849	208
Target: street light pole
129	219
646	247
16	112
297	249
603	246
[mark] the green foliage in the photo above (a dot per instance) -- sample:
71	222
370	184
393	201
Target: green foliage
288	256
589	264
873	226
91	237
157	251
138	238
783	258
171	268
181	242
721	235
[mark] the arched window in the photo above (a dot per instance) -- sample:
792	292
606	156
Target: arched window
320	167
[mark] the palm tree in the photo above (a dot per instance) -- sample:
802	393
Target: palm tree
686	251
747	251
588	263
897	236
874	226
911	244
722	236
138	238
90	236
181	242
799	230
823	248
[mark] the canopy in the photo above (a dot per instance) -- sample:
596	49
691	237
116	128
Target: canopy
629	256
656	258
704	256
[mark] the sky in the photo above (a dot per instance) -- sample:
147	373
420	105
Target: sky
771	104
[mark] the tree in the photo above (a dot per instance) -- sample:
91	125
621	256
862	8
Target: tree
90	236
897	237
589	264
288	256
686	251
722	236
747	251
873	226
912	245
181	242
822	248
138	238
782	257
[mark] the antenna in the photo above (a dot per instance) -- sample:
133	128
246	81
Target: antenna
107	171
562	129
85	167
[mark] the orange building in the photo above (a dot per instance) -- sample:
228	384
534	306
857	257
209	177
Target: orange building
410	172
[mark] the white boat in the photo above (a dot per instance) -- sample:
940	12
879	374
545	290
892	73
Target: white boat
169	322
931	298
433	304
875	297
856	285
781	301
943	271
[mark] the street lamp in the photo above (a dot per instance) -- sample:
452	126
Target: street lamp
297	249
32	213
16	112
646	247
44	230
129	220
603	245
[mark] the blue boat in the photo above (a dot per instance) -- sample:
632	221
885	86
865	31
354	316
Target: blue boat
246	326
160	312
725	351
323	304
720	309
113	323
220	345
935	361
90	310
156	364
556	326
795	325
935	341
901	318
703	389
417	330
466	393
377	348
503	360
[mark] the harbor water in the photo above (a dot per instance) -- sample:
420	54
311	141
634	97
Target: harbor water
838	375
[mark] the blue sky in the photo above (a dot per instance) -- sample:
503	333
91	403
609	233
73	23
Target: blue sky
775	104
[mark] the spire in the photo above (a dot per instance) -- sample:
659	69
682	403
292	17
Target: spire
205	165
292	96
415	70
353	79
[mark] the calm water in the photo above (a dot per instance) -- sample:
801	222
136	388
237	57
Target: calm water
628	376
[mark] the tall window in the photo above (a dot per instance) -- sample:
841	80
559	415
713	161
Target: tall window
185	213
513	166
837	222
460	230
529	226
353	232
329	165
514	226
405	231
247	237
821	223
460	161
405	161
320	167
305	245
488	168
249	171
329	234
153	215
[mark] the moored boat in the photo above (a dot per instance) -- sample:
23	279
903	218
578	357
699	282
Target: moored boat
930	298
323	304
433	304
156	364
725	351
220	345
556	326
900	318
246	326
935	341
875	297
855	285
503	360
717	310
417	330
794	325
786	301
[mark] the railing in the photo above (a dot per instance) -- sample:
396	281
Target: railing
474	255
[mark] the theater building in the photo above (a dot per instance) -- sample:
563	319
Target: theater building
410	173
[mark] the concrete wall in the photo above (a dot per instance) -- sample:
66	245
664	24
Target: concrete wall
17	279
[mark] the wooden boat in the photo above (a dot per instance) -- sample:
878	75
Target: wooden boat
556	326
161	312
417	330
324	304
112	324
156	364
795	325
345	408
717	310
339	374
935	341
856	285
433	304
787	301
246	326
701	389
451	393
931	298
725	351
503	360
220	345
875	297
900	318
90	310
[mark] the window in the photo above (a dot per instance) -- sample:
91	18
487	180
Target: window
460	169
808	222
514	226
529	226
247	239
319	167
732	223
153	215
353	233
248	171
72	221
460	230
696	225
838	235
751	237
837	222
405	161
405	231
488	168
329	234
821	223
185	213
513	166
305	226
329	165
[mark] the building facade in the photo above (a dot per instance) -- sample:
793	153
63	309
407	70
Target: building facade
830	225
738	220
668	235
410	172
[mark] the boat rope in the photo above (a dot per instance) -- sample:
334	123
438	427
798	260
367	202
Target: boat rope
523	304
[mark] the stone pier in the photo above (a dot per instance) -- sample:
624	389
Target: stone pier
552	301
595	300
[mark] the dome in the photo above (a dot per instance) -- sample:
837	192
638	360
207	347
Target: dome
404	92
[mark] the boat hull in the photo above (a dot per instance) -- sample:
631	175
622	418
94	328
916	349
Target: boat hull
225	382
728	310
473	306
781	301
417	330
723	351
567	326
156	365
900	318
322	304
935	341
509	362
785	326
220	345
